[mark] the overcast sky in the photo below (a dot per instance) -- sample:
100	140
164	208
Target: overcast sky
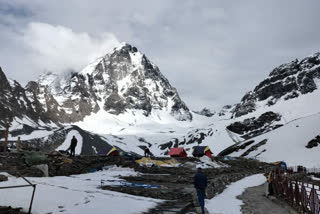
211	51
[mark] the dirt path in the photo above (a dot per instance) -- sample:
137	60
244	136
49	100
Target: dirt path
255	202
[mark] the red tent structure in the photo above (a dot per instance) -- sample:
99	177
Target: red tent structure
177	152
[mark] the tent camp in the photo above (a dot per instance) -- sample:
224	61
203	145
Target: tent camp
281	164
199	151
177	152
112	151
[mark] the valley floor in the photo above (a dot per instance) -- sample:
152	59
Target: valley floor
67	192
123	186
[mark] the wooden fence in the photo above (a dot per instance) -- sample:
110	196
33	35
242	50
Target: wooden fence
304	197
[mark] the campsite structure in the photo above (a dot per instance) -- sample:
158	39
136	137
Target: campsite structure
112	151
199	151
177	152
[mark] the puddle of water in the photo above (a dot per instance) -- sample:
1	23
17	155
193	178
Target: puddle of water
117	183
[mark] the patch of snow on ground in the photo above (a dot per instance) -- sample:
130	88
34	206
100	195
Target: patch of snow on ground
206	162
315	178
75	194
227	201
67	142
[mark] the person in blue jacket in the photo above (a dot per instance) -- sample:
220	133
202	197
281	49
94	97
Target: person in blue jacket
200	183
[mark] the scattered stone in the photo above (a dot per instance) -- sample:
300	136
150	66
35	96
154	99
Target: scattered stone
3	178
314	142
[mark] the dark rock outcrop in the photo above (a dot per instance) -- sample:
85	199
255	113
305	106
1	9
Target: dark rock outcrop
287	81
14	102
252	127
205	112
314	142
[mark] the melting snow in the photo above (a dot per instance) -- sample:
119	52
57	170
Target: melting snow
75	194
227	201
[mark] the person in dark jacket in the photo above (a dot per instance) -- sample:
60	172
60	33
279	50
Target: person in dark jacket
147	152
72	147
200	183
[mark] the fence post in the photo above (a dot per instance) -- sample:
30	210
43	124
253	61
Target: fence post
19	144
297	195
6	138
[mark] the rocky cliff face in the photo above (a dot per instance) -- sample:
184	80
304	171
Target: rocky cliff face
205	112
285	82
116	83
252	127
15	103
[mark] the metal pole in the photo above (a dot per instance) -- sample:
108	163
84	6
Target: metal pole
34	189
9	187
18	144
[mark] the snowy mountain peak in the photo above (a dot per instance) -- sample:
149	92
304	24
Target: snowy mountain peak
122	80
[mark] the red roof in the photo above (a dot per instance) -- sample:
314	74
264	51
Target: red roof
177	152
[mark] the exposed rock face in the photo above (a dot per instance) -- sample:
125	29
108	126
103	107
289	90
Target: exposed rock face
285	82
205	112
247	147
225	110
120	81
194	137
314	142
252	127
15	103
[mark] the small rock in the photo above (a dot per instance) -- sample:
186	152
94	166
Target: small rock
3	178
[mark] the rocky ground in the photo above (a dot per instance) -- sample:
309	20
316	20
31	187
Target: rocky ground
10	210
174	183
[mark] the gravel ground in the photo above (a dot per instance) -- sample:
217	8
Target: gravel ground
255	202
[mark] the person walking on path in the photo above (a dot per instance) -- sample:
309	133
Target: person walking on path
72	147
200	183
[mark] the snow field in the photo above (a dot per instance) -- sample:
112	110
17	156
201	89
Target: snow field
75	194
288	142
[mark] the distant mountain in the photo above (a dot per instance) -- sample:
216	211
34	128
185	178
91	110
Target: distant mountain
285	82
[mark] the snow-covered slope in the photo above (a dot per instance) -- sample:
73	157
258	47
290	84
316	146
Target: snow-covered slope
288	81
288	101
288	143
